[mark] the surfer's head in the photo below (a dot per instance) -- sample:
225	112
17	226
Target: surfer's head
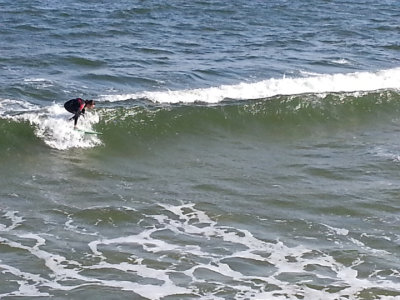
89	104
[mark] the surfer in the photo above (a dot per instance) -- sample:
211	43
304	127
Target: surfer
77	107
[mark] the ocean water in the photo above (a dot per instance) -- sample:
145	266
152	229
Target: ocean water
249	150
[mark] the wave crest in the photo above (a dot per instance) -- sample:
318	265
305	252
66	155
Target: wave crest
316	83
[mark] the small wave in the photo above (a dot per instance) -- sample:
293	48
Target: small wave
12	107
85	62
341	61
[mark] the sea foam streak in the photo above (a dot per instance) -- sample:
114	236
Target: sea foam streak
321	83
158	267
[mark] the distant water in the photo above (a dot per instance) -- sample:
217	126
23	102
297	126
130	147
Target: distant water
249	150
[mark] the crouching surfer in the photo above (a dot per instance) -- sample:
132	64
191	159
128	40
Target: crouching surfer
77	107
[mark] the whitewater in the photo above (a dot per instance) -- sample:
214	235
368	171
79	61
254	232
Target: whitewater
313	83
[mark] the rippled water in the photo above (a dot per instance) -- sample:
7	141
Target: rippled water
249	150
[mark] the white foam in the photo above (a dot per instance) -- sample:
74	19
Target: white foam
11	106
27	284
39	82
317	83
393	155
341	61
63	269
52	124
74	228
35	80
13	218
289	271
338	231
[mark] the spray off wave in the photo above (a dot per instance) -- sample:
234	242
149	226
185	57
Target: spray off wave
313	83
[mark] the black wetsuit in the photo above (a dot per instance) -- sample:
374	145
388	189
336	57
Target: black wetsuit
77	107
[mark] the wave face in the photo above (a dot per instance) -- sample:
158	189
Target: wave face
137	122
286	103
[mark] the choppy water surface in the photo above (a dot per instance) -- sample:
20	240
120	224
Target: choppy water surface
248	150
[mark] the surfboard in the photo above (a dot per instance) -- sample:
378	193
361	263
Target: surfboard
87	131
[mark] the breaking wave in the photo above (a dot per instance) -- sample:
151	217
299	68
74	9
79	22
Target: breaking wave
288	102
